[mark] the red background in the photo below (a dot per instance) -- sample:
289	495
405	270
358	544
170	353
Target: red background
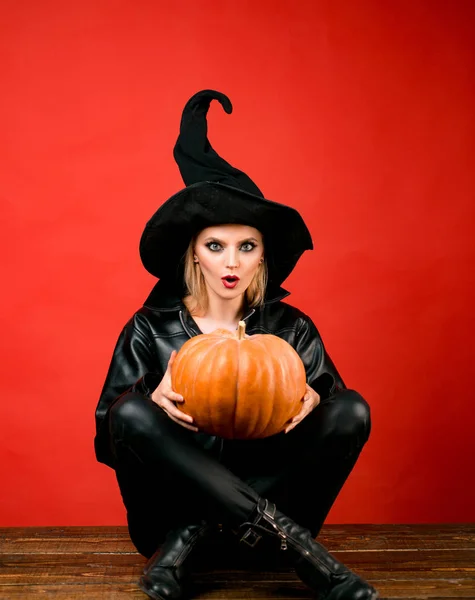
359	114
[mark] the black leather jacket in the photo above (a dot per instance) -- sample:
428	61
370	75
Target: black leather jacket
164	324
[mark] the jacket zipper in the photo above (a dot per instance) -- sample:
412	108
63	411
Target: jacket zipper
188	331
191	334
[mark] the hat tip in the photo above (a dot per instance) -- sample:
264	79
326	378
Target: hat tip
203	99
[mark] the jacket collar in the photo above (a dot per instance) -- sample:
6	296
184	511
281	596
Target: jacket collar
163	297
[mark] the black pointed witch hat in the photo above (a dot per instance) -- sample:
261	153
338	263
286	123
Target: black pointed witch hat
215	194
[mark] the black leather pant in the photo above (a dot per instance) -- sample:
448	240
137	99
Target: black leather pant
166	476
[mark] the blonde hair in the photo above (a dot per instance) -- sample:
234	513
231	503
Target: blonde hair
197	301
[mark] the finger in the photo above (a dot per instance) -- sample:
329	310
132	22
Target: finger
183	424
171	409
291	425
173	396
300	415
312	403
295	421
168	372
171	359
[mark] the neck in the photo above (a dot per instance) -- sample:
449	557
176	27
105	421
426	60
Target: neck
225	311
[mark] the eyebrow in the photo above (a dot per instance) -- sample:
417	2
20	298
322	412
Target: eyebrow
215	239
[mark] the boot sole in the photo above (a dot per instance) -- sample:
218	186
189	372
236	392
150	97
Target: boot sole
307	580
149	593
305	569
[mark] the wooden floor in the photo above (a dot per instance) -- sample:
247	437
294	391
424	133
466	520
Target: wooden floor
402	561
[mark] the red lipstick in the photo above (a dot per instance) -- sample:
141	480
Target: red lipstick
230	281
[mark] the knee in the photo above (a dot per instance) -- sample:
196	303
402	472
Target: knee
349	416
132	412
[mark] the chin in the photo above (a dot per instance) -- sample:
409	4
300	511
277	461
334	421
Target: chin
228	294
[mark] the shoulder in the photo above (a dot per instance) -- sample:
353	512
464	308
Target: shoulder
140	320
288	313
277	316
145	320
153	323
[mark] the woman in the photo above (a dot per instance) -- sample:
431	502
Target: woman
221	252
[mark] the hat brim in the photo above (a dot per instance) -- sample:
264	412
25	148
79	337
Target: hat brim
168	232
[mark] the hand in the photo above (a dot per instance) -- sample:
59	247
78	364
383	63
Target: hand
310	401
165	397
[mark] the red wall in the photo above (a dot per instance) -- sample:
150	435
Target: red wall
359	114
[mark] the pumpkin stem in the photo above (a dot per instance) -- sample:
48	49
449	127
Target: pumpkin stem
241	330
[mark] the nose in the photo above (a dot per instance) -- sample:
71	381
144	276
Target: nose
232	258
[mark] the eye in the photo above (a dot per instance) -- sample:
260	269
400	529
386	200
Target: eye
216	246
213	246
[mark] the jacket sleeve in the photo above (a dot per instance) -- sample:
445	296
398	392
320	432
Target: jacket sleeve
322	374
134	367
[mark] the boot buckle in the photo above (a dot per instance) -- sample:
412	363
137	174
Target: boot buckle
251	538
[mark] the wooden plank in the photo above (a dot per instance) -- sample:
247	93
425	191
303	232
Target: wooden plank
433	589
65	540
68	540
104	591
395	537
74	568
402	561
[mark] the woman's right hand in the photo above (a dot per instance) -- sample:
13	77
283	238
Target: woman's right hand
165	397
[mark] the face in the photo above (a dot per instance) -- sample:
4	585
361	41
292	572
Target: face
233	251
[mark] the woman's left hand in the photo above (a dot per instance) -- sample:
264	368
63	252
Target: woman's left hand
310	401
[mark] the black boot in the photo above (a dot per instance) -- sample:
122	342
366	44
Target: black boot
312	562
166	577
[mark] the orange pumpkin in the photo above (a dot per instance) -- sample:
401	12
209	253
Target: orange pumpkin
238	386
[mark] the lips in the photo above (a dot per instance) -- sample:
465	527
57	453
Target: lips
230	281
